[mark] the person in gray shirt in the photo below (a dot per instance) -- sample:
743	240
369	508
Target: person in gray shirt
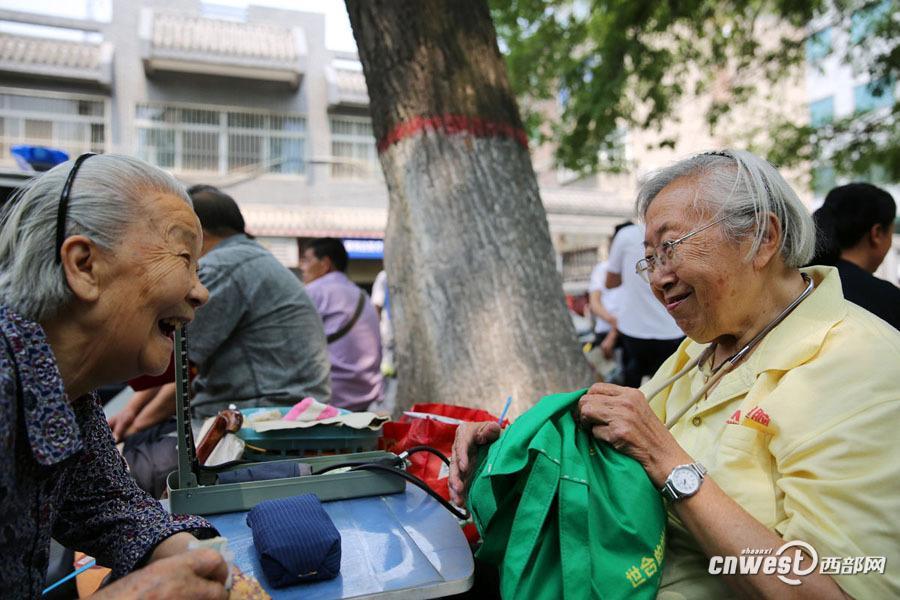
258	341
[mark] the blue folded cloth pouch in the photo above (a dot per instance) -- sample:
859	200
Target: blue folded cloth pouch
296	540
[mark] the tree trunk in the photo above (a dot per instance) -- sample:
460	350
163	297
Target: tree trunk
476	300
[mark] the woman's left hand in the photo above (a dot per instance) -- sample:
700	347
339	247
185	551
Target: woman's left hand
622	417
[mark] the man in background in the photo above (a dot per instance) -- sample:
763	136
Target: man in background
351	325
854	232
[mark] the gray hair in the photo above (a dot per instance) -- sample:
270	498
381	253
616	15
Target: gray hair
742	189
103	203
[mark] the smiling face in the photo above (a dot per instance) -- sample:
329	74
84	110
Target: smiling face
152	284
707	286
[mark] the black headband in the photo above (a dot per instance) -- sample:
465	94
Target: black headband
64	205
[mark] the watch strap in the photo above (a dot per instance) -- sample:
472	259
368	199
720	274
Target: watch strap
668	490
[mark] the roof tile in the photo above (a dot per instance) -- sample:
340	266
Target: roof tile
36	51
183	33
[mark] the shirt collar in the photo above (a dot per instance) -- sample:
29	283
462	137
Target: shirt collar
330	277
233	239
802	333
50	423
799	337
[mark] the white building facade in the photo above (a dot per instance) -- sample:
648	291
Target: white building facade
249	100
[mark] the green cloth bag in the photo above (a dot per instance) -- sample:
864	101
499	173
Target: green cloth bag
563	515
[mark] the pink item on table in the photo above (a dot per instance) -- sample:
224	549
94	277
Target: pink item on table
298	409
309	409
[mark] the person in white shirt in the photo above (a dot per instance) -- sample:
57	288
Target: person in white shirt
381	299
649	334
604	304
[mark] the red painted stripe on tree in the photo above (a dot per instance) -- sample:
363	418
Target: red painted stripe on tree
452	124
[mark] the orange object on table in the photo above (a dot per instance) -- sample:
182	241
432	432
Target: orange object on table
87	582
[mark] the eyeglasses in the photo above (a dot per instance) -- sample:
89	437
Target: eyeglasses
665	253
64	205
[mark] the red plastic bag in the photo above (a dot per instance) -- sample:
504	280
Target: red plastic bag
398	436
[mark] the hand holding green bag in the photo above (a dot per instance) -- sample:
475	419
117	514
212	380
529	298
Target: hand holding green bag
563	515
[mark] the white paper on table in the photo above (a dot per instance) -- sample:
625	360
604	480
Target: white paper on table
441	418
360	420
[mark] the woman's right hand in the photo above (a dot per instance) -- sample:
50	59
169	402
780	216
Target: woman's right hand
468	437
196	574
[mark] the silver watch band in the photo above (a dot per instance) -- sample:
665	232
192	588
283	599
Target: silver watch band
668	490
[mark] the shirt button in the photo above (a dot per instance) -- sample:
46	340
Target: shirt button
696	421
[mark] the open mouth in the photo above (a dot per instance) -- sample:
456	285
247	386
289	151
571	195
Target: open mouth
168	326
673	302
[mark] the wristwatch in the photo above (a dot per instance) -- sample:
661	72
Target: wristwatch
683	481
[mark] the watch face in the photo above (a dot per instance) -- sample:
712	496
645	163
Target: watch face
685	480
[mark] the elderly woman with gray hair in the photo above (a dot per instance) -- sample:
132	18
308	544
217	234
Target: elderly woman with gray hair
775	419
98	266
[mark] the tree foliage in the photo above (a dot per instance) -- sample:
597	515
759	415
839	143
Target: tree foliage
616	64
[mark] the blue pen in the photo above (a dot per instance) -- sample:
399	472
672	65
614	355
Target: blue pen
87	566
505	409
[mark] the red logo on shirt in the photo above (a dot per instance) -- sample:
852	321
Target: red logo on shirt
734	419
759	415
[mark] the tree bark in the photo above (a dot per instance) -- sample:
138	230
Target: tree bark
476	300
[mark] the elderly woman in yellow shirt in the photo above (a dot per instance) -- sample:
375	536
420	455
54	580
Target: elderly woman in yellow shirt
774	420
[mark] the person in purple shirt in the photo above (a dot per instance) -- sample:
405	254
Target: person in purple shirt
351	325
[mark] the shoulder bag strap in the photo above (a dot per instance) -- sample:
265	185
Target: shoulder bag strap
349	325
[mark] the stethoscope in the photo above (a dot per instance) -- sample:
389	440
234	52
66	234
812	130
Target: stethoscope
728	365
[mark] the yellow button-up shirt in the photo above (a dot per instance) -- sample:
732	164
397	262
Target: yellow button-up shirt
803	435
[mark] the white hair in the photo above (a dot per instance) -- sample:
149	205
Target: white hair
103	203
742	189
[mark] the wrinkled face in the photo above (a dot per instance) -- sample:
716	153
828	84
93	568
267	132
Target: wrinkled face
153	284
312	266
703	287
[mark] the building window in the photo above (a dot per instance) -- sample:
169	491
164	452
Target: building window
821	112
578	264
818	45
353	148
70	122
186	139
865	21
873	95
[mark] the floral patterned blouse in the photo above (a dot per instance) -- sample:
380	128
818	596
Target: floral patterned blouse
61	475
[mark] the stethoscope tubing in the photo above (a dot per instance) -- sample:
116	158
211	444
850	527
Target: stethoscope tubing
728	365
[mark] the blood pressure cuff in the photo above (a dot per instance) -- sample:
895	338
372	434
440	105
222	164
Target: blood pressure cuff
296	540
265	471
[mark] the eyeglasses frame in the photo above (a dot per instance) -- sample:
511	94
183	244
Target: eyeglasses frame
647	265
